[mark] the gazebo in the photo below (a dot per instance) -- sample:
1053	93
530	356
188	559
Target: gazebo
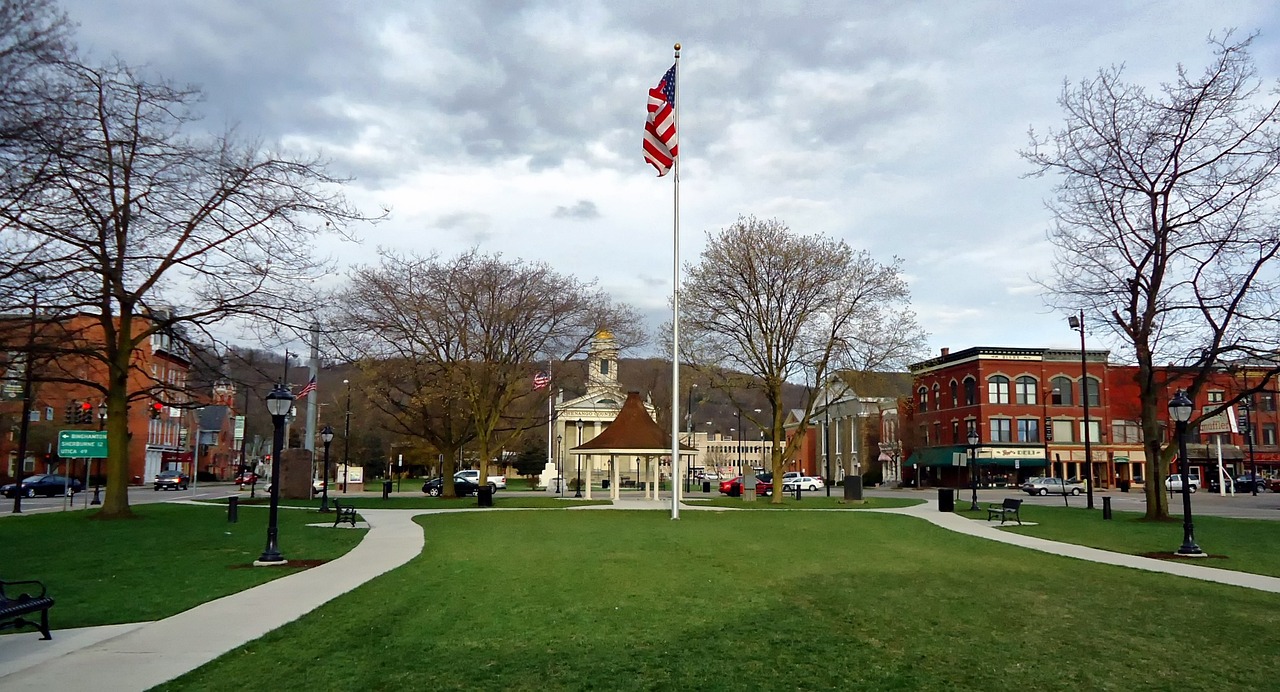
632	434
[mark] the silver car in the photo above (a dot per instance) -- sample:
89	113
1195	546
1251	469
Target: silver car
1050	486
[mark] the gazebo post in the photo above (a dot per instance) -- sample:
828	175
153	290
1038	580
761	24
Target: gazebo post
586	483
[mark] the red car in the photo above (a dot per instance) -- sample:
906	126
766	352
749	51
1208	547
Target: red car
733	486
246	478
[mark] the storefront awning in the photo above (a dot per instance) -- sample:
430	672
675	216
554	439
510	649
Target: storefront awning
954	455
1011	462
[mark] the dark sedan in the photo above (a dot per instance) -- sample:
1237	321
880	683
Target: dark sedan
462	486
45	484
176	480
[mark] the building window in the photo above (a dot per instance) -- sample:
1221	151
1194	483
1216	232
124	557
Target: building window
924	399
1095	430
924	433
937	398
1063	431
955	394
1062	391
998	390
1269	434
48	413
1091	391
1028	430
1267	401
604	367
1025	390
970	391
1001	430
1126	432
1215	396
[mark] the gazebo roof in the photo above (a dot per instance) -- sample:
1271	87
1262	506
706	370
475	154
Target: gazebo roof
632	432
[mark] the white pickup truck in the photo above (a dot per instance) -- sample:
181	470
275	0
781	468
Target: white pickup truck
473	475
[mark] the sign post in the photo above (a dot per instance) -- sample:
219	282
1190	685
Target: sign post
81	444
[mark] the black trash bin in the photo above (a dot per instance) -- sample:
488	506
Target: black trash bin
386	488
484	494
706	486
233	509
946	500
1124	485
604	484
853	488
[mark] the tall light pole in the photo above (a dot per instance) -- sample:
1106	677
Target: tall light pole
97	477
559	473
1180	411
826	437
578	458
742	471
1246	407
326	435
279	401
346	439
1077	323
689	424
973	460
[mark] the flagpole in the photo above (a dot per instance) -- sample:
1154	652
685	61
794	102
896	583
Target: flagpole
675	312
550	416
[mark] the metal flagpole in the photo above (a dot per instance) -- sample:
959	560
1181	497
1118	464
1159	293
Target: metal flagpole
675	310
551	415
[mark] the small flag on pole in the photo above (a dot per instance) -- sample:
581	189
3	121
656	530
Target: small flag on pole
661	146
310	387
541	380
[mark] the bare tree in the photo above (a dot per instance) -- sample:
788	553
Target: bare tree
1166	227
466	335
765	305
146	227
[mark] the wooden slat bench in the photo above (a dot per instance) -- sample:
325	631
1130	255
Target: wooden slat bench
17	602
1008	508
347	514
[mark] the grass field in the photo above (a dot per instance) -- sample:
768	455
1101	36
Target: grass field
170	558
753	600
424	502
1245	545
809	501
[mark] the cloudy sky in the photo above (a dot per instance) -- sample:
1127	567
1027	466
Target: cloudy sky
516	127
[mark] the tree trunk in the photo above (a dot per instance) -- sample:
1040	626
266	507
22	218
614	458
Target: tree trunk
115	505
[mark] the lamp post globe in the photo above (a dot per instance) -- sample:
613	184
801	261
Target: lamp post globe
279	402
1180	408
973	460
326	435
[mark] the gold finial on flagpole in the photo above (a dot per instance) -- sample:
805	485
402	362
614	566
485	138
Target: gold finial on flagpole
677	46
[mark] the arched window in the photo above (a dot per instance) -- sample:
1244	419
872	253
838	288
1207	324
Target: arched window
937	399
970	391
1091	392
997	389
1062	391
955	394
924	399
1024	390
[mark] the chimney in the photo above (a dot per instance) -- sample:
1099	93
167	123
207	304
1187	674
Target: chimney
946	352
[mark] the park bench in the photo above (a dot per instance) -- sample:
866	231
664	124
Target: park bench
1008	508
14	603
347	514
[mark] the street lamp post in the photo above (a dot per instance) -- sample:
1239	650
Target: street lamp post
826	438
1077	323
742	471
346	439
97	477
559	472
326	435
279	401
688	476
973	460
1247	419
1180	411
578	458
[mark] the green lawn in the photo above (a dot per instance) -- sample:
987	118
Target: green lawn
424	502
754	600
1245	545
171	558
814	501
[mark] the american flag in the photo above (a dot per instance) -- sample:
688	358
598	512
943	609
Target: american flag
310	387
541	379
661	146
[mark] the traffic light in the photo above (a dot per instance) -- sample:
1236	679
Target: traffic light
156	408
86	413
73	407
1048	429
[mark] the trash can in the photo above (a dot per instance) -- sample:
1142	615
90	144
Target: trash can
386	488
706	486
946	500
1124	485
853	488
604	484
735	491
484	494
233	509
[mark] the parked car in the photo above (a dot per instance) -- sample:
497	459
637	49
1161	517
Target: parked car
789	485
171	479
245	478
473	475
1173	482
1051	486
733	486
1274	484
1247	482
461	485
317	485
46	484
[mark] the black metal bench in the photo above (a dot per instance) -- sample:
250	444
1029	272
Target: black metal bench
1008	508
347	514
14	603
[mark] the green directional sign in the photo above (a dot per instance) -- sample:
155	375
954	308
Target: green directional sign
82	444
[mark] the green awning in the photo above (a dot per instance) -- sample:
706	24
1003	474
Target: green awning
954	455
1025	462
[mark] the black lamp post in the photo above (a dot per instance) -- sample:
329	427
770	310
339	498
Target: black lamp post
279	401
559	472
973	460
1077	323
742	470
578	458
326	435
688	476
346	440
1180	411
1247	407
97	477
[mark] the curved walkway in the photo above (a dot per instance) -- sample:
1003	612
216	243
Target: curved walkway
139	656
